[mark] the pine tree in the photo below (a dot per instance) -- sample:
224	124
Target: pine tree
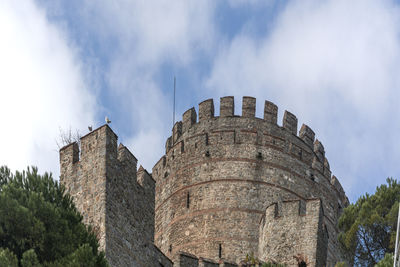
368	227
39	224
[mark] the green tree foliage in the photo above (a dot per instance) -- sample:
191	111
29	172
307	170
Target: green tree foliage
7	258
387	261
40	226
368	226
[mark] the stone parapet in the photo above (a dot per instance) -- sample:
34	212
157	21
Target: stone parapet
216	180
115	198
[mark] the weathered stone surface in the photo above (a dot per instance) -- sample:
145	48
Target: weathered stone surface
248	106
113	197
307	135
294	235
270	112
188	119
290	122
206	110
227	106
212	194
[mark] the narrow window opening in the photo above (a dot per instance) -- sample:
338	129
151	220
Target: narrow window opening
326	232
276	210
207	153
170	249
187	200
164	161
302	264
182	147
339	209
220	251
259	155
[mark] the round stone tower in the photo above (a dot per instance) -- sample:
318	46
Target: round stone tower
220	175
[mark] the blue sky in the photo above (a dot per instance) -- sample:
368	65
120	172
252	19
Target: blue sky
334	64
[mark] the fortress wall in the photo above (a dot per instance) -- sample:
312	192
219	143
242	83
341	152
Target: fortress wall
184	259
292	232
230	165
210	190
83	179
113	197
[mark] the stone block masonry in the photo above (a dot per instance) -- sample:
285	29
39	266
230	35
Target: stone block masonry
292	232
226	187
219	175
114	197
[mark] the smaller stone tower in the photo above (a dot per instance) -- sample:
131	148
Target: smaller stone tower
113	197
291	227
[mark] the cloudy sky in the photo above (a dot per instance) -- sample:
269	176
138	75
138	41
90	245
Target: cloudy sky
69	63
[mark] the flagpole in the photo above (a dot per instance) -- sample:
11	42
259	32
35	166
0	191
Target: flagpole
173	113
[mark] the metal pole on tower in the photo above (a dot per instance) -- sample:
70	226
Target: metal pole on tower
396	260
173	114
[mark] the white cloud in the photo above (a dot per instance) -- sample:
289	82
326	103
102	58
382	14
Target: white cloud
258	3
148	35
153	31
42	88
335	64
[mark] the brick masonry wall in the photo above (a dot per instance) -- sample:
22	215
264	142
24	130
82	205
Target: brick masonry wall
113	197
219	174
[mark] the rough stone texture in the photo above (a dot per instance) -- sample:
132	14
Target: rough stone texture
207	263
227	106
248	106
307	135
206	110
213	191
290	122
227	186
184	259
189	118
270	112
113	197
293	233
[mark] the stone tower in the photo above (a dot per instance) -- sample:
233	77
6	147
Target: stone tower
226	187
221	175
114	197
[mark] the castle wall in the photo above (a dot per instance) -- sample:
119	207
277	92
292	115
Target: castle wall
219	174
293	231
113	197
183	259
213	192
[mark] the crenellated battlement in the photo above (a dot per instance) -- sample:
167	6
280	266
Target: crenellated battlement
228	185
184	259
291	208
236	166
100	147
113	196
227	109
302	145
301	223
